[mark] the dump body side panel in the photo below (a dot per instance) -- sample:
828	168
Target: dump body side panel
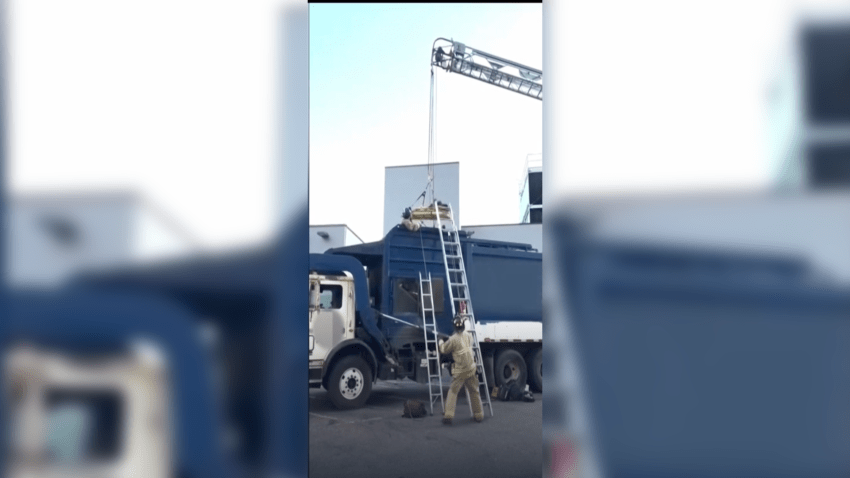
505	279
505	285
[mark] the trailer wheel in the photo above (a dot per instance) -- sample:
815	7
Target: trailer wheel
510	366
489	359
350	383
535	369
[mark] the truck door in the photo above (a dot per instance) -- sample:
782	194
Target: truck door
328	321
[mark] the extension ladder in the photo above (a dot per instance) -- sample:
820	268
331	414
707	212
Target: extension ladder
432	349
459	293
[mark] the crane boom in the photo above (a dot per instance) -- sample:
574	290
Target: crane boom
456	57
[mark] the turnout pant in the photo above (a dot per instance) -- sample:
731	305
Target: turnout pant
470	381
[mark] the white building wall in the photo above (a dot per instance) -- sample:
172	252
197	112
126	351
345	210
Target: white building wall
100	227
402	185
339	235
155	236
351	238
813	226
104	230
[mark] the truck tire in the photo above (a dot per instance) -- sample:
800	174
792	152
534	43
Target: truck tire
510	366
535	369
489	358
350	382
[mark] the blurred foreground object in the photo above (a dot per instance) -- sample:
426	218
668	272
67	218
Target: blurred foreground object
96	416
810	105
54	236
170	369
710	334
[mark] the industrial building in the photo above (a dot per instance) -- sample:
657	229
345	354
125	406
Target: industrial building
531	191
55	236
403	183
810	107
324	237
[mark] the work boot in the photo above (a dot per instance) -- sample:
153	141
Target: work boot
447	421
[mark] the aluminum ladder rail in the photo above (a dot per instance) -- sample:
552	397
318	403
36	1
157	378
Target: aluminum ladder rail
432	349
459	293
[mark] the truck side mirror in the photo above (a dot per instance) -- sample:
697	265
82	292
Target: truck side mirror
314	296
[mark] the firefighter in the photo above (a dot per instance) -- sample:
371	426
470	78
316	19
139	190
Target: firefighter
408	222
463	371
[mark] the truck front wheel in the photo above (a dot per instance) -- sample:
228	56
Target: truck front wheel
350	383
510	366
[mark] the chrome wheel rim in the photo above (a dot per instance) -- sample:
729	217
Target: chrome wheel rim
351	383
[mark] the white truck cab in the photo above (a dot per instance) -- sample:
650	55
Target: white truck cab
338	360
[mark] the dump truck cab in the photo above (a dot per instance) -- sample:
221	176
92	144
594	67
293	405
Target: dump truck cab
348	351
338	359
108	383
106	415
331	316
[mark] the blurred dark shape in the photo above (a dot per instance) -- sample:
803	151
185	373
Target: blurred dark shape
62	230
535	187
700	361
825	65
829	164
826	53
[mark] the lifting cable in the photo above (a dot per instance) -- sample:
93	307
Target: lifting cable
432	132
432	151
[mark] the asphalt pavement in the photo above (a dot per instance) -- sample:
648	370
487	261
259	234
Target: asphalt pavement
375	441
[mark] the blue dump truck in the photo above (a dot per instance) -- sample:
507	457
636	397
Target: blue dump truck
172	370
364	297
